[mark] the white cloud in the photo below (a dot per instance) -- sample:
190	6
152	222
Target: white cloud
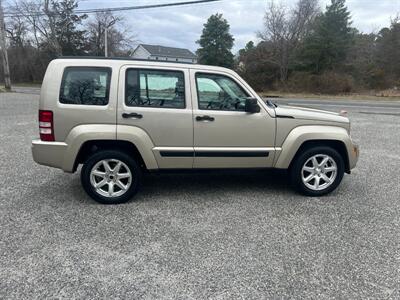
181	26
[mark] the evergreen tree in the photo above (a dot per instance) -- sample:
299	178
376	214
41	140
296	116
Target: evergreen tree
216	43
70	39
387	51
328	43
249	47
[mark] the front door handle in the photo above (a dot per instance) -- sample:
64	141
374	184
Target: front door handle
132	115
205	118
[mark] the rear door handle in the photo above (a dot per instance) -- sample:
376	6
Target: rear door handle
205	118
132	115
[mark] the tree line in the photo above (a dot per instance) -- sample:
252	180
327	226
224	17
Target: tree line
301	49
305	49
41	30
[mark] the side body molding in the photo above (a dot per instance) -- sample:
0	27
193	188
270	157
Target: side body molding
301	134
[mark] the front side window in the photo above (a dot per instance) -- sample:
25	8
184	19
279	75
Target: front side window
154	88
218	92
85	86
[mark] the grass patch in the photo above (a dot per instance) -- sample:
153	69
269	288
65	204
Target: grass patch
355	96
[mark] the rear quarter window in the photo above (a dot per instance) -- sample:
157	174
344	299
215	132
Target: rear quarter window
85	86
155	88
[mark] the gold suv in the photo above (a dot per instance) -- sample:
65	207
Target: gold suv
121	117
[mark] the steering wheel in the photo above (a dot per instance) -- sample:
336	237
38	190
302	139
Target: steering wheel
237	105
227	100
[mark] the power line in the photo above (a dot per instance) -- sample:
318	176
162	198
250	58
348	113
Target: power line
113	9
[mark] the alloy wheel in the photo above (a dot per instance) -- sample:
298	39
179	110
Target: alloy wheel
319	172
111	178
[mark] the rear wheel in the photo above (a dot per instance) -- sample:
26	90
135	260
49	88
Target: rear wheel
317	171
111	177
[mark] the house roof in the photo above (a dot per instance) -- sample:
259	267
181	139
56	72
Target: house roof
168	51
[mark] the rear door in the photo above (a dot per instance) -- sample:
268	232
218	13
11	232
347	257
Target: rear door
225	136
157	100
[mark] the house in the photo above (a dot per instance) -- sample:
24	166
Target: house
156	52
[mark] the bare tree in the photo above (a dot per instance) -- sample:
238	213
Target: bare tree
38	25
53	23
17	31
285	28
119	37
25	9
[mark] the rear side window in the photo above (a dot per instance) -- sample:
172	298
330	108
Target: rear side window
155	88
85	86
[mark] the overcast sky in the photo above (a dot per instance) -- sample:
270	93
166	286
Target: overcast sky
181	26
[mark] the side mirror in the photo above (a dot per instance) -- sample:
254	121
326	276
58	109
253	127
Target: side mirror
251	106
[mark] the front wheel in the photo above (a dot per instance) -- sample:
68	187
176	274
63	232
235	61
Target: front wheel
111	177
317	171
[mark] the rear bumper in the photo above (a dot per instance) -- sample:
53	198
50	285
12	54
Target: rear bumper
50	154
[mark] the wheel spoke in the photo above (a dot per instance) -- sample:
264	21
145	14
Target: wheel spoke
308	169
101	183
316	182
124	175
325	178
314	161
330	169
117	167
308	178
99	173
111	188
324	161
106	166
121	185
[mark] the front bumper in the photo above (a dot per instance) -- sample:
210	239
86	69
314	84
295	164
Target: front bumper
354	154
49	153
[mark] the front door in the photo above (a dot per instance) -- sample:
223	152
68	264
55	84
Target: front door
225	136
155	104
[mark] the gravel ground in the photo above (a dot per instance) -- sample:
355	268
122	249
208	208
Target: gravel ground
224	235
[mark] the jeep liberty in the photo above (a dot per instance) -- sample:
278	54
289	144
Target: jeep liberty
120	117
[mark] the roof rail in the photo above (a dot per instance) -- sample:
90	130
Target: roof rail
124	58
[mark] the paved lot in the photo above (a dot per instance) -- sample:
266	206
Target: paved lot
219	236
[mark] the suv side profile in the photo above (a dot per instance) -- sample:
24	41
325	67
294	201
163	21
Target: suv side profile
121	117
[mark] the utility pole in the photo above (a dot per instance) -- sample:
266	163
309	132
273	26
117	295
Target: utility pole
105	41
6	67
106	26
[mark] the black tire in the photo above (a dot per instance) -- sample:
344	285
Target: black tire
300	160
111	154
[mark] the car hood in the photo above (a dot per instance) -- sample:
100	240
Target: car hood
305	113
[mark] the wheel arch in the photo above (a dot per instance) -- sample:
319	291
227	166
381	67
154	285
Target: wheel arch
91	147
337	145
304	137
83	139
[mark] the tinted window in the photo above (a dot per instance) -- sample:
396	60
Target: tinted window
218	92
155	88
84	85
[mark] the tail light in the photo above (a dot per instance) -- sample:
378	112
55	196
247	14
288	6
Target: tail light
46	128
